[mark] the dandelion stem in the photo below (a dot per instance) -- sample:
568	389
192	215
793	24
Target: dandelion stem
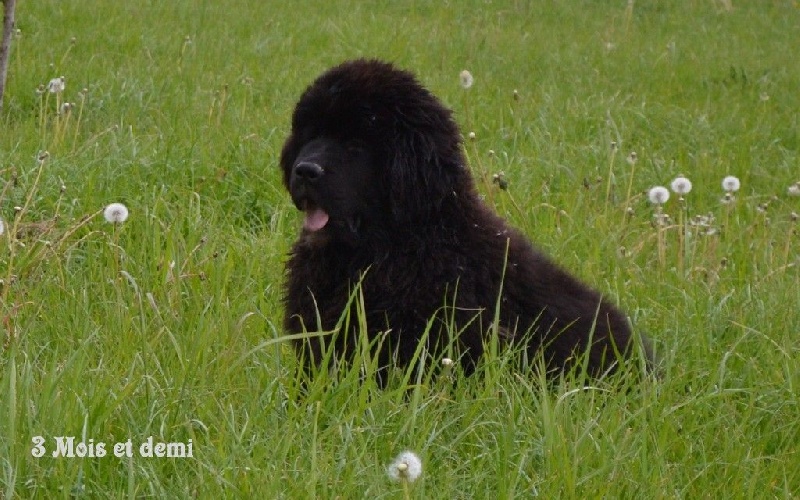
406	489
630	186
611	159
661	248
78	121
43	104
681	234
57	131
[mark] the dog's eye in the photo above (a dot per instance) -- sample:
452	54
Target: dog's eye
368	115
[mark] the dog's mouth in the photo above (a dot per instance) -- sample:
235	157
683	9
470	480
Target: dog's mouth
315	217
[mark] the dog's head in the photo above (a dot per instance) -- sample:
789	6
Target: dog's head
370	150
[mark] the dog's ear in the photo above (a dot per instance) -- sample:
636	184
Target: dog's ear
426	162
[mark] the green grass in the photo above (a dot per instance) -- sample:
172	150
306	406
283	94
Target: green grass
166	325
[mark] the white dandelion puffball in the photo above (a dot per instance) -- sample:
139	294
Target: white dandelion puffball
794	190
681	185
116	213
658	195
466	79
731	184
2	227
56	85
406	467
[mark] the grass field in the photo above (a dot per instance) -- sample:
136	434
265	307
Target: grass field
167	325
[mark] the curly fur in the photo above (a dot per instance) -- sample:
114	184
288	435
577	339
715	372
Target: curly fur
376	162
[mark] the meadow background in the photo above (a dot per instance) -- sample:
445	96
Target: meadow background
166	325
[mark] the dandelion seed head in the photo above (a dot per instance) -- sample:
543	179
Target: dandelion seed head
406	467
2	227
658	195
731	184
116	213
56	85
466	79
471	136
447	362
794	189
681	185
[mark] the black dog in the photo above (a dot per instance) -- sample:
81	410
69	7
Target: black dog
375	162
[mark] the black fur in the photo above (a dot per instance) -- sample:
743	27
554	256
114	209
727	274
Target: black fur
376	162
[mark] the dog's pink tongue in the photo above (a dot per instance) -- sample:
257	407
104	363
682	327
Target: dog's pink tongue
315	219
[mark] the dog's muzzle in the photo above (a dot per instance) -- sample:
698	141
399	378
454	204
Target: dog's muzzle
305	175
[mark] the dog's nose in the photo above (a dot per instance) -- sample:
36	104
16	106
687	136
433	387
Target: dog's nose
308	171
